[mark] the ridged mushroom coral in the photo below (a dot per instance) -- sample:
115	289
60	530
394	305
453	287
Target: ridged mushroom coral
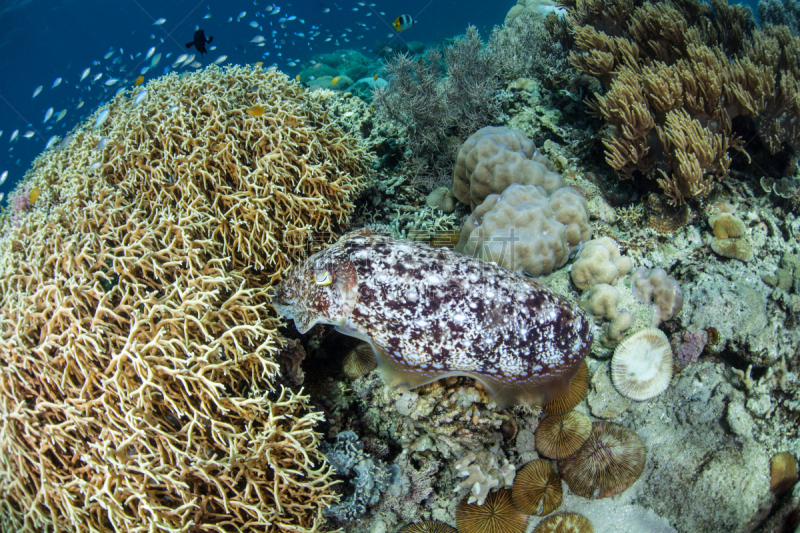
642	365
136	332
610	461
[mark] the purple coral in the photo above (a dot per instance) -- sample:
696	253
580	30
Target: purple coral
21	201
687	346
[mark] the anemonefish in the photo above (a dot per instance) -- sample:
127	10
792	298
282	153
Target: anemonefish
403	22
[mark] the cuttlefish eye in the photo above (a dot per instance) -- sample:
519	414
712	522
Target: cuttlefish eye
323	277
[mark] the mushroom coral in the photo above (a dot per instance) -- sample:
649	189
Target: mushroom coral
137	339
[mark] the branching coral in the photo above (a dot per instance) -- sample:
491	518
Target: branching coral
677	74
436	111
137	341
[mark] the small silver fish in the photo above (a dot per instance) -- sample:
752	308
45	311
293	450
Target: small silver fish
173	109
112	81
95	165
159	22
51	141
28	134
102	143
3	177
61	115
37	91
140	97
56	83
220	59
102	117
84	74
14	135
48	114
150	53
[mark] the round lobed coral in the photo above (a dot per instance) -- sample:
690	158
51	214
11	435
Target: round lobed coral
517	230
493	158
137	333
599	261
656	287
601	301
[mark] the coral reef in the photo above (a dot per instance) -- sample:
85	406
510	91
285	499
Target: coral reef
477	483
371	477
137	343
599	261
678	75
654	286
523	48
493	158
436	112
780	12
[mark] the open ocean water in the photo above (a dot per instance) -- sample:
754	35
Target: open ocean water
42	41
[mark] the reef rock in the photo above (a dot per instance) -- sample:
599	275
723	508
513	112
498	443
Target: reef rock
430	313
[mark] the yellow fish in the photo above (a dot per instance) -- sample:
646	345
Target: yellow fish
334	80
34	195
255	111
259	63
139	81
403	22
298	78
719	230
375	77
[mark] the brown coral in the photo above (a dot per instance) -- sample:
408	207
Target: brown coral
137	342
359	361
577	391
610	461
537	488
429	526
497	515
565	523
733	248
783	472
677	74
560	436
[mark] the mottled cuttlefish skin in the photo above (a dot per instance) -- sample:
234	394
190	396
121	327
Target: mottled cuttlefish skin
430	313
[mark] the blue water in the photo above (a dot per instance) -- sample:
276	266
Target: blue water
41	40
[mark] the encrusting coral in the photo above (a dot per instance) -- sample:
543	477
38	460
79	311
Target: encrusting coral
137	340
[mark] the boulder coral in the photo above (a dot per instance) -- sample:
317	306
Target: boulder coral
137	339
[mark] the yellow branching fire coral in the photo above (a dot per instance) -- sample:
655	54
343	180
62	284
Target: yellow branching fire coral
136	333
677	74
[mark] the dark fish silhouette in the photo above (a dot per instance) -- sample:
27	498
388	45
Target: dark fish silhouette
199	41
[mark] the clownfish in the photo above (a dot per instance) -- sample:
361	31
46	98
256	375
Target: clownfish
403	22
